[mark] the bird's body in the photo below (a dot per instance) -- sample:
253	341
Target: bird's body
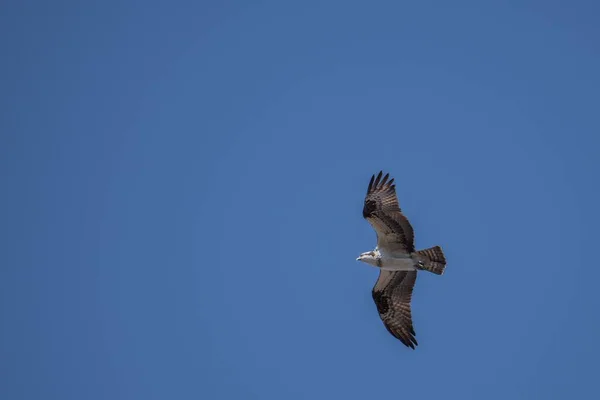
398	264
396	257
390	262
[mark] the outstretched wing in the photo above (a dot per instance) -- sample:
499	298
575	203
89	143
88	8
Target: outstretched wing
392	294
381	209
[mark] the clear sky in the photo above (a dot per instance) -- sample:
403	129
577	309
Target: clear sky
182	187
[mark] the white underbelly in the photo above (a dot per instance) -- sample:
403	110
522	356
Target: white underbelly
398	264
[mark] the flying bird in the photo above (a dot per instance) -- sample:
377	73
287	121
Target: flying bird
396	258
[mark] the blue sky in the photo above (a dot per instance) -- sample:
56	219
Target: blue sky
183	186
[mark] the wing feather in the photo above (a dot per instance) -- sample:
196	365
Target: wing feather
392	294
382	210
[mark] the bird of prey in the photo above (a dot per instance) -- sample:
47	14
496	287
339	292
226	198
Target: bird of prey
396	258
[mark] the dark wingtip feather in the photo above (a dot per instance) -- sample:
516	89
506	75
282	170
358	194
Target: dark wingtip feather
384	180
412	342
404	342
371	183
380	182
378	179
409	342
405	335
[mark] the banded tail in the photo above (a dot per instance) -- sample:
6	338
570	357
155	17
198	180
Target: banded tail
433	260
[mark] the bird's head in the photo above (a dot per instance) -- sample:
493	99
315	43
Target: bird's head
370	257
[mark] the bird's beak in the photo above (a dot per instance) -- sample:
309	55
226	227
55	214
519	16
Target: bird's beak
358	259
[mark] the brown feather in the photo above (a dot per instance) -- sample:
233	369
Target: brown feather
392	294
382	210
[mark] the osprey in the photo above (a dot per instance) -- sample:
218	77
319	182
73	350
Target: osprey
396	258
